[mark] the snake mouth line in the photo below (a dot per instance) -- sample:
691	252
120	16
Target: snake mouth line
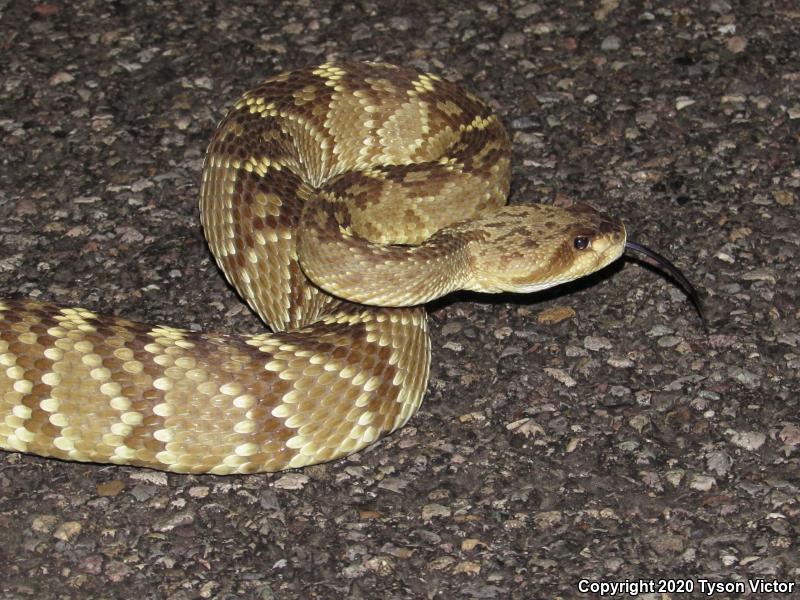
665	265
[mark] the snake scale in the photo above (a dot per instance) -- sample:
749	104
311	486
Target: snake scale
336	200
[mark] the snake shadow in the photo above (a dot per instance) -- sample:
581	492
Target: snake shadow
530	299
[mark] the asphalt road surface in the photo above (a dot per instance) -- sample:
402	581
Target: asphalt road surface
569	441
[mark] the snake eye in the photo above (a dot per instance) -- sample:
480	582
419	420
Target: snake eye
581	242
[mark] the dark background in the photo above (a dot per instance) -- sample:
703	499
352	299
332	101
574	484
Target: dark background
620	442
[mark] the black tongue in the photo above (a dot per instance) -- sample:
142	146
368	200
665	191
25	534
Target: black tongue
664	264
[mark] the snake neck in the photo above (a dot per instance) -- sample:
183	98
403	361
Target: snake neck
348	266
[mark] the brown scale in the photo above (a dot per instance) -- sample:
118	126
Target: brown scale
200	448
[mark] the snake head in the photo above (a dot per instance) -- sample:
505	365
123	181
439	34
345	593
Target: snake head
534	247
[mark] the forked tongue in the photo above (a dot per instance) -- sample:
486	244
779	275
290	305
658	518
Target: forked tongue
664	264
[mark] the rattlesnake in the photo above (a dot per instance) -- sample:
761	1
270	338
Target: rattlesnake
336	200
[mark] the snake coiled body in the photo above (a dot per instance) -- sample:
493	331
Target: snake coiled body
336	200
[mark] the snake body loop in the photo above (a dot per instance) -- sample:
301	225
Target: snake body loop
336	200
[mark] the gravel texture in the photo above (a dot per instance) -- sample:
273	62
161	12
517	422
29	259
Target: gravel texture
595	432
